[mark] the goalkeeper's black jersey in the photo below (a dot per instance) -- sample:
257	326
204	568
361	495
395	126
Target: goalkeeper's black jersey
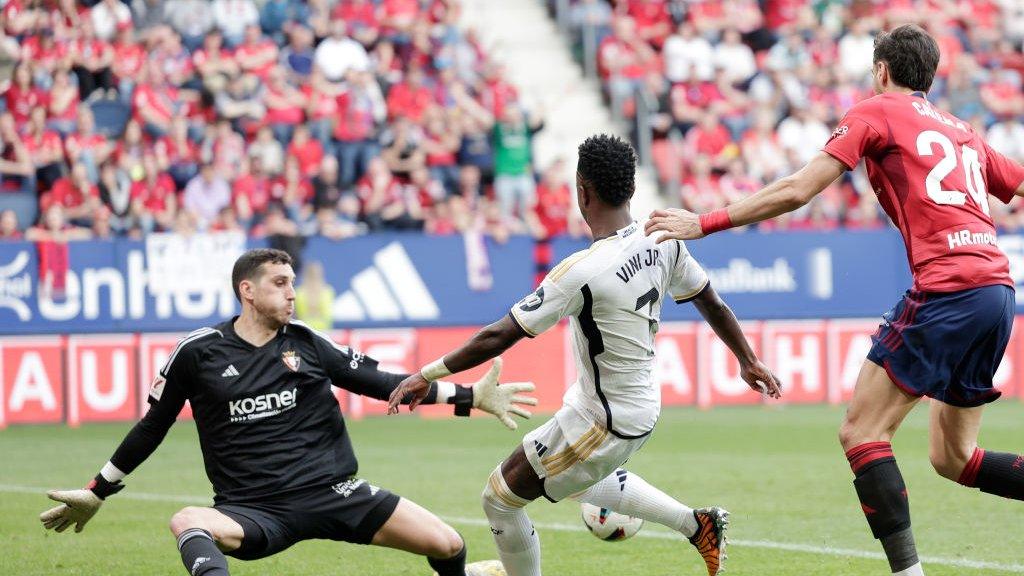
267	417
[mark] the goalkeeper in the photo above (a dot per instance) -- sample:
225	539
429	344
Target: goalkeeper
273	438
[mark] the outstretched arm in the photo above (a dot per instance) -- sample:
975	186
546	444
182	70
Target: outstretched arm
782	196
78	506
486	344
358	373
718	314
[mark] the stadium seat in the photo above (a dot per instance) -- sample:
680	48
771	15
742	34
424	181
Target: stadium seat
111	117
25	206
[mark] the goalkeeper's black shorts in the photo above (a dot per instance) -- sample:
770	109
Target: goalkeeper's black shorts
350	511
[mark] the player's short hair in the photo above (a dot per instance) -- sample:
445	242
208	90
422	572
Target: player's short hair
608	166
248	265
911	54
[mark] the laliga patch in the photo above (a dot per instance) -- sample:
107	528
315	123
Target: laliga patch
291	360
533	301
157	389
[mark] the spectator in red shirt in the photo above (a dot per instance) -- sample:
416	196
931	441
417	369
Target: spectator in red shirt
441	145
16	169
178	153
154	198
44	149
410	98
215	63
23	95
251	192
85	145
257	55
293	190
92	59
653	21
711	139
360	109
227	148
45	53
550	214
362	18
383	203
701	190
63	104
623	59
129	58
306	151
397	18
321	107
9	225
75	194
154	101
286	105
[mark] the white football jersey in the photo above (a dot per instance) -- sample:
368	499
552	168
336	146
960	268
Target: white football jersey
612	293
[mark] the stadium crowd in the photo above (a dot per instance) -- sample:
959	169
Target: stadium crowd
275	117
745	91
293	118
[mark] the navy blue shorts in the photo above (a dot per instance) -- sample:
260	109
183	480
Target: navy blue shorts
350	511
946	346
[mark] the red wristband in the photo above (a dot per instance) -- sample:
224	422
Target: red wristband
716	221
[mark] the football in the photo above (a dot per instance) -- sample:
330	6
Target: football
608	525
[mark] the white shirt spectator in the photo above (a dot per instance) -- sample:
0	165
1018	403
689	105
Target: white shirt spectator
737	59
189	17
232	16
1007	138
803	136
205	198
687	53
336	56
855	54
107	16
1012	17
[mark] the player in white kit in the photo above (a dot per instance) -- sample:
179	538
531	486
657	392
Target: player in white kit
612	294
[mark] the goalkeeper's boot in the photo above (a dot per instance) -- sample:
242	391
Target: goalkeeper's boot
710	538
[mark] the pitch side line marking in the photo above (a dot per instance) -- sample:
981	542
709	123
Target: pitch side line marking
560	527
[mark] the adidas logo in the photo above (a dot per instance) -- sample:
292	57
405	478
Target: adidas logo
231	371
540	448
622	479
390	289
199	562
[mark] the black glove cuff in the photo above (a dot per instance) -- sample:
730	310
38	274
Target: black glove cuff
463	400
102	488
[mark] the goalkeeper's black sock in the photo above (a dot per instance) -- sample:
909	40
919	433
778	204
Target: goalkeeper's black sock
200	554
998	473
454	566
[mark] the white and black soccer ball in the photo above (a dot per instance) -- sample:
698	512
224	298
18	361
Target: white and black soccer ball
608	525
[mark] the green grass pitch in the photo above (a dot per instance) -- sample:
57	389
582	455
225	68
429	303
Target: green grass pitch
779	471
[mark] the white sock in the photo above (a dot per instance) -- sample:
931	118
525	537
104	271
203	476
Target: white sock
517	541
915	570
629	494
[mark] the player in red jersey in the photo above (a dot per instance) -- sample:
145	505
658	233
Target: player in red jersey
932	174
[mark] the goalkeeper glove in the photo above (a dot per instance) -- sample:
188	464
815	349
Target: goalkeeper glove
78	506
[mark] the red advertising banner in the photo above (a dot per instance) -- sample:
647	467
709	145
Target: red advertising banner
675	363
154	350
393	349
539	360
718	373
102	378
848	342
31	380
795	351
98	378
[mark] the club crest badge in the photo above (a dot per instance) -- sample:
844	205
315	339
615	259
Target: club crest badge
291	360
